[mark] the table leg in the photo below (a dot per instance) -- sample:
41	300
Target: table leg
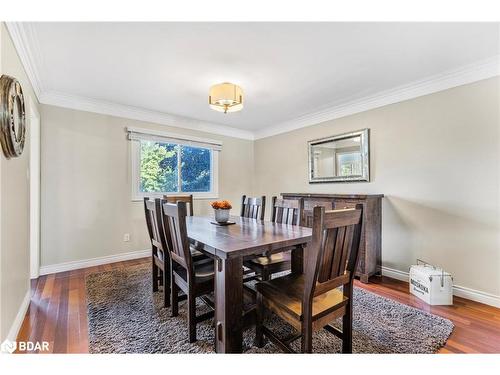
229	305
298	259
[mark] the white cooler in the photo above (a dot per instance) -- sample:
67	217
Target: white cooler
431	284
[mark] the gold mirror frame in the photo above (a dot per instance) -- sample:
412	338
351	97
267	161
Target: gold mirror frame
12	139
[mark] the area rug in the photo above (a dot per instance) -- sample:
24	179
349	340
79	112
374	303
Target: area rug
125	316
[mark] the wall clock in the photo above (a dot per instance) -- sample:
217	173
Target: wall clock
12	117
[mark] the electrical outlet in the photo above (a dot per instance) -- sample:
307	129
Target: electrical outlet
126	237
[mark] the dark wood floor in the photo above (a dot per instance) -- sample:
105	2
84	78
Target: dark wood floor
58	313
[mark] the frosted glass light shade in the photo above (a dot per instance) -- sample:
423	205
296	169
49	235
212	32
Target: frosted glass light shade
225	97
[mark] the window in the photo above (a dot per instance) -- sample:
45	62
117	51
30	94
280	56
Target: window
164	164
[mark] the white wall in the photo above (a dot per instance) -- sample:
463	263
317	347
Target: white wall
436	158
86	184
14	215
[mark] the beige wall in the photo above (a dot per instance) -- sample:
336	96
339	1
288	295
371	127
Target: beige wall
86	184
14	206
437	159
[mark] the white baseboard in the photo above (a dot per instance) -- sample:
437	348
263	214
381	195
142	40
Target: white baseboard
395	274
18	320
69	266
476	295
459	291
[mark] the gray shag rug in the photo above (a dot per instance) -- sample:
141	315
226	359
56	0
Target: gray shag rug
125	316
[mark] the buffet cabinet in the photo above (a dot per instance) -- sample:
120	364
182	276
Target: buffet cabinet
370	248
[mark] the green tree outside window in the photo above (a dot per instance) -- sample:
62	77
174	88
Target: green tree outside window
160	163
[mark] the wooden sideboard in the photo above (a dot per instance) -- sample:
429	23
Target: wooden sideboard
370	250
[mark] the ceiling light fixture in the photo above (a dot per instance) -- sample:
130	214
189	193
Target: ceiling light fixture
225	97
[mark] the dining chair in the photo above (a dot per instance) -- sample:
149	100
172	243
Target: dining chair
253	208
195	279
181	198
310	301
189	200
284	211
159	257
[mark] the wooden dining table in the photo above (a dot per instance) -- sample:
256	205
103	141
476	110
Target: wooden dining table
232	244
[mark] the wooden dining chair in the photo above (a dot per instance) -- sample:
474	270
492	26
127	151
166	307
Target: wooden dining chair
284	211
159	257
311	301
195	279
189	200
181	198
253	208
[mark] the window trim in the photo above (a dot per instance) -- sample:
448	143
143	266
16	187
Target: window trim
135	156
187	140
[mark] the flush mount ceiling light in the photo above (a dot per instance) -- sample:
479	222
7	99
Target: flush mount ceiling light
225	97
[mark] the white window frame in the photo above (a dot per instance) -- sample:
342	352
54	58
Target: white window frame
149	135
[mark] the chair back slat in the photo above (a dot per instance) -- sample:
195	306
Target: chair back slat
181	198
327	258
174	223
340	267
285	215
253	208
152	210
287	211
331	259
336	250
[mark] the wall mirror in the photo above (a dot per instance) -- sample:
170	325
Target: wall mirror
341	158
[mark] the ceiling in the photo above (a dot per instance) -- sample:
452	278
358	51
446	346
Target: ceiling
287	70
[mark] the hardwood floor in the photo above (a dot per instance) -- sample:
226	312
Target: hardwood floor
58	313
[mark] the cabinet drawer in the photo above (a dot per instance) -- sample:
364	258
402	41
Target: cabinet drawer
339	205
309	204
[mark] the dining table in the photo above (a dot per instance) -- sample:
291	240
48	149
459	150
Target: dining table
230	245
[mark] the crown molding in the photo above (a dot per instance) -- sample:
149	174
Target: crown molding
135	113
25	42
457	77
